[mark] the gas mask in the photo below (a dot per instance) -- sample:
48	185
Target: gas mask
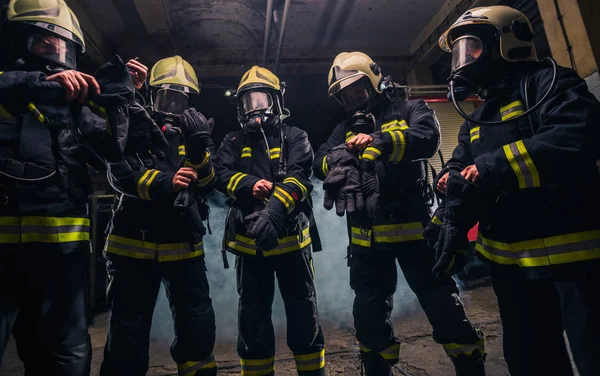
168	124
45	52
171	101
361	122
256	109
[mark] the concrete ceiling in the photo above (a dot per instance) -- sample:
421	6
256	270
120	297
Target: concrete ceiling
223	38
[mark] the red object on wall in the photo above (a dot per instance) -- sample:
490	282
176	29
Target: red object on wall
472	235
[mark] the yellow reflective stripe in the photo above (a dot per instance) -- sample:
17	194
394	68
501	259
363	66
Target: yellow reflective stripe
349	136
190	368
4	113
181	150
41	118
204	181
204	162
146	186
54	221
285	198
149	250
436	221
474	133
38	229
246	152
257	367
555	250
310	362
371	153
391	353
512	110
398	146
361	236
285	245
181	254
297	183
140	183
275	153
401	232
457	349
394	125
522	165
325	166
233	183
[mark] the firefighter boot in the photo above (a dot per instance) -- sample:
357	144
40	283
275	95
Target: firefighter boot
374	365
469	365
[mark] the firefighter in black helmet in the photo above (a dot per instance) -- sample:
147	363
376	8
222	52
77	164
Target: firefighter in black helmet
156	232
372	170
528	156
265	169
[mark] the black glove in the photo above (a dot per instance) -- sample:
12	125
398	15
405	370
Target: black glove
463	202
144	134
187	203
431	233
266	225
343	183
370	188
196	130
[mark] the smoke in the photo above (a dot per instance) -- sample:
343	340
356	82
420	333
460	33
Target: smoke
335	297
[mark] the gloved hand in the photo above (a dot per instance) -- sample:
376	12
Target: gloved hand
266	225
343	183
144	134
370	188
463	202
431	233
196	130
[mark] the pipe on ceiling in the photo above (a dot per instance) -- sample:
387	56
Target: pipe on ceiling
268	18
286	8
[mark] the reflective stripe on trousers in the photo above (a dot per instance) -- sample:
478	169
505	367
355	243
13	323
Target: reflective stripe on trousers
457	349
310	362
391	352
286	245
554	250
257	367
152	251
189	368
394	233
43	229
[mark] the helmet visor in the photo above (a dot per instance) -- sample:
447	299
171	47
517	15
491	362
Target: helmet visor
466	50
53	48
256	101
353	97
171	101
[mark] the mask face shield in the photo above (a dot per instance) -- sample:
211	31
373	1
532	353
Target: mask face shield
54	49
170	101
255	101
466	50
353	97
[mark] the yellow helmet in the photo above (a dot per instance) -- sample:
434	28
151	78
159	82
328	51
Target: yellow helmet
51	15
349	67
513	27
174	71
259	77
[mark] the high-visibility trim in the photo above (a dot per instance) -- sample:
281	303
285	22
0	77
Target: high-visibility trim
391	352
401	232
143	185
512	110
457	349
371	153
247	152
394	125
325	166
349	135
181	150
144	250
4	113
285	245
474	133
204	162
38	115
36	229
233	183
275	153
204	181
190	368
310	362
100	111
257	367
287	200
398	146
522	165
362	236
296	182
554	250
436	221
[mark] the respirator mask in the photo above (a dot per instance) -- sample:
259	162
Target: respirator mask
256	109
356	101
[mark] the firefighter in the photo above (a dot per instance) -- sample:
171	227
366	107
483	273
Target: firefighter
156	232
265	169
383	143
531	148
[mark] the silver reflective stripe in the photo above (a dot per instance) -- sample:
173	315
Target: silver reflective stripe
199	365
510	111
522	165
541	252
398	232
9	229
128	247
36	229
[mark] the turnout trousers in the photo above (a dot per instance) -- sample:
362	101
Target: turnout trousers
132	293
256	288
373	277
43	305
535	315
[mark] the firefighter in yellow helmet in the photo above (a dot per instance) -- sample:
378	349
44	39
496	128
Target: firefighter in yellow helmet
157	230
372	170
265	169
527	157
